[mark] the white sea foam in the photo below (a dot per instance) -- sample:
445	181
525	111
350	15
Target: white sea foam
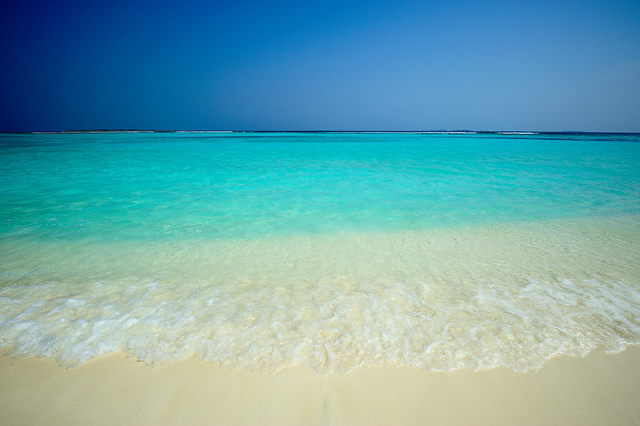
510	296
517	133
330	328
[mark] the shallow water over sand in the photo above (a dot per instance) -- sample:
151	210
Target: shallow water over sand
509	295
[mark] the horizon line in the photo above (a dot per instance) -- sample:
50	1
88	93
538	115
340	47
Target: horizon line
456	131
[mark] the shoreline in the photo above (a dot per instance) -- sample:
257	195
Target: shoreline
511	295
596	389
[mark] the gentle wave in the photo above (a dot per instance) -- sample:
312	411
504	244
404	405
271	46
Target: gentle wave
326	328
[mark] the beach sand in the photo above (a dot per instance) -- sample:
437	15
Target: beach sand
597	389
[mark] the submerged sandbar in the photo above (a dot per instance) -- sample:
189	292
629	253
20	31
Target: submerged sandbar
597	389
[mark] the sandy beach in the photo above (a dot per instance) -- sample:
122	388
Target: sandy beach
597	389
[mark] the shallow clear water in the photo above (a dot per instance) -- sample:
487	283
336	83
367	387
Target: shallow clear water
332	250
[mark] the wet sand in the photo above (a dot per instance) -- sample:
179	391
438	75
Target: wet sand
597	389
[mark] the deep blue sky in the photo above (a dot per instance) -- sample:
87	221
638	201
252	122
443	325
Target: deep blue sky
325	65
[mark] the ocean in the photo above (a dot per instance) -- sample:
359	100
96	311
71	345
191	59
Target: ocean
331	250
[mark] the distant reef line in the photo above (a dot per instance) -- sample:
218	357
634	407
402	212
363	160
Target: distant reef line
451	132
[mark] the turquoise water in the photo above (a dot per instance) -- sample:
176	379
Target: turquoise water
263	185
333	250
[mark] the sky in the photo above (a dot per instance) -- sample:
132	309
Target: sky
320	65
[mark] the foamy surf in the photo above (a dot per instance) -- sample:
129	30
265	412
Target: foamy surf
476	298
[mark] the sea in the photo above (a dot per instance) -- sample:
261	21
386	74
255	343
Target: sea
333	250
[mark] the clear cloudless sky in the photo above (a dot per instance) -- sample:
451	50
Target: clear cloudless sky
549	65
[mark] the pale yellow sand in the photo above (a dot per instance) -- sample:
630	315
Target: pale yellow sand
597	389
